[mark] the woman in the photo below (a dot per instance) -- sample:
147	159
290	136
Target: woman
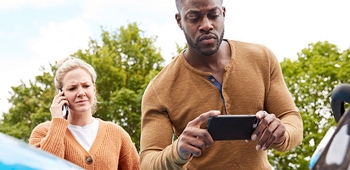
79	137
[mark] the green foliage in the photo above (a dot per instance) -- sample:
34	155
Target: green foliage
30	106
179	49
125	61
311	79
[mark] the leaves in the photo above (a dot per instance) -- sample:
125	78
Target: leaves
311	79
125	61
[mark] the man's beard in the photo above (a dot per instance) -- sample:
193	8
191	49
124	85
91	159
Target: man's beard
205	51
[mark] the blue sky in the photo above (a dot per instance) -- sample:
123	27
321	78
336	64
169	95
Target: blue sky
38	32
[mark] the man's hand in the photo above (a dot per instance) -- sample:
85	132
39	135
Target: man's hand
269	131
193	139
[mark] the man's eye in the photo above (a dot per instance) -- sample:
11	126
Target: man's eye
213	16
193	19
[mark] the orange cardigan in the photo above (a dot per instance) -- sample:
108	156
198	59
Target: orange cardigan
112	148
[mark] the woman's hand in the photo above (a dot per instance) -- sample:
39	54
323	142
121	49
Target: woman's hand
57	103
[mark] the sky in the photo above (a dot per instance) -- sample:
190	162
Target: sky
36	33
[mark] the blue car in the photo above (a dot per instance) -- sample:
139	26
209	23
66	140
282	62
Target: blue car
18	155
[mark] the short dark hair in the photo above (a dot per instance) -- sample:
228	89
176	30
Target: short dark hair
179	4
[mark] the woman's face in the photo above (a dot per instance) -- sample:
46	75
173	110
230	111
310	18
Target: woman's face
79	90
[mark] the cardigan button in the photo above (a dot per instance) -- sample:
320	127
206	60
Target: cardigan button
89	160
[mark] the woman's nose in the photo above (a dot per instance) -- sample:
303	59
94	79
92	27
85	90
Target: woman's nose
80	92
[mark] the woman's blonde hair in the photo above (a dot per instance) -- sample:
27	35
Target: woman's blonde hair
70	63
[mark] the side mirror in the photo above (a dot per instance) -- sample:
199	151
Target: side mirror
340	94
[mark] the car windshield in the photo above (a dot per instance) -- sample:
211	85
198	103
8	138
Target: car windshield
336	152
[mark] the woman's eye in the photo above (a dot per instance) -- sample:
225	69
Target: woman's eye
71	89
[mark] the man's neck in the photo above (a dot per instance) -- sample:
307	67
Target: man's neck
213	63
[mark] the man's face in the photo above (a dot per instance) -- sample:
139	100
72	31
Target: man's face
203	24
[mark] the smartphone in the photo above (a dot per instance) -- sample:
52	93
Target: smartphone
232	127
64	109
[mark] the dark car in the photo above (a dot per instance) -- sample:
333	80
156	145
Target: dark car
333	151
18	155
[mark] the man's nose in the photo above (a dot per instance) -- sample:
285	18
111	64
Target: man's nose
206	24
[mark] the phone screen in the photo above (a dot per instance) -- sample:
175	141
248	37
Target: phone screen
232	127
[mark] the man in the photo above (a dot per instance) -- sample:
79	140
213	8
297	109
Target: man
215	76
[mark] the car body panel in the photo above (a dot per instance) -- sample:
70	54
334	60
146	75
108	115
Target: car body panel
16	154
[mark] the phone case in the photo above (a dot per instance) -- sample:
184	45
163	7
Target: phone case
64	109
232	127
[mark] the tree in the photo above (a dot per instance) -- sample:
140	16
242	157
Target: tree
125	61
29	106
179	49
311	79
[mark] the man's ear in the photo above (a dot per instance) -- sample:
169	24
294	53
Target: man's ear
178	20
223	11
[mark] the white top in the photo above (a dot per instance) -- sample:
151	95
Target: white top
85	135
